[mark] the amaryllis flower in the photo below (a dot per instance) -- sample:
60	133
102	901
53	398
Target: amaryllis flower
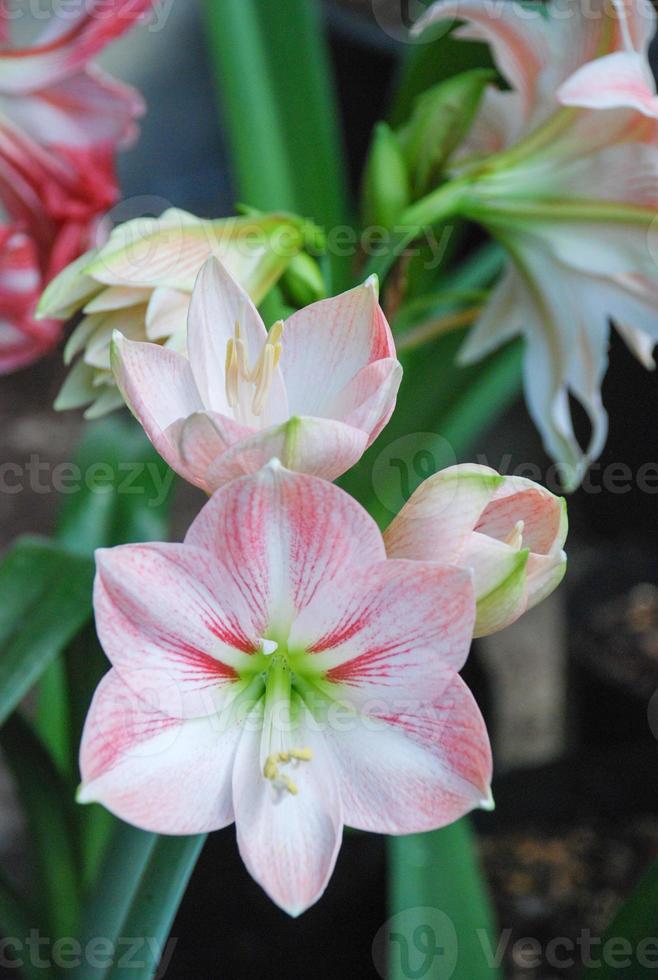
278	671
562	169
314	392
140	283
61	120
508	530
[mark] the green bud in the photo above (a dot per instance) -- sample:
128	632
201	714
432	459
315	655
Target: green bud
441	118
386	188
302	282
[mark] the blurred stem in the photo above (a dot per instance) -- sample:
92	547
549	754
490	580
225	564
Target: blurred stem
426	332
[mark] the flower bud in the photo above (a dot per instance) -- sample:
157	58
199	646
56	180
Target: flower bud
386	191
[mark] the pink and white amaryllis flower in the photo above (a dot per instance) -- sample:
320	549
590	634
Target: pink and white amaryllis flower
61	120
507	530
277	670
314	392
562	169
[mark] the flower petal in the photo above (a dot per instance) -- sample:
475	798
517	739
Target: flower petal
440	515
327	343
159	389
519	38
500	580
517	499
319	447
289	843
368	400
417	767
156	772
284	535
389	626
218	304
619	80
171	620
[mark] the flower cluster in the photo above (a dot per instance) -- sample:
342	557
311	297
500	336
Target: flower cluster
287	667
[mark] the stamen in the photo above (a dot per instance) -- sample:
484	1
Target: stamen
271	770
515	538
237	367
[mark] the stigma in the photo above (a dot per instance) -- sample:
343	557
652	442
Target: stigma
259	377
281	782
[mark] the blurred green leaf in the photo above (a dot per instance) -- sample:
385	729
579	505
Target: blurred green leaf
628	949
45	600
48	803
139	889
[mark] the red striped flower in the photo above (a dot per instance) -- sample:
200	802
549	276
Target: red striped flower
61	121
277	670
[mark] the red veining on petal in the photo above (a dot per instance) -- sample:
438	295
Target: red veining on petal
201	664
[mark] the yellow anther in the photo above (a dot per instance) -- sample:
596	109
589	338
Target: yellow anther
260	376
515	538
272	771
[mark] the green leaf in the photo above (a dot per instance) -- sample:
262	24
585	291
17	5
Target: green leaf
438	871
124	491
46	600
386	190
629	948
48	802
440	120
139	890
272	70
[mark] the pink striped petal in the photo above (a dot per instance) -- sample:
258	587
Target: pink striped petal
283	536
81	111
328	342
218	304
542	513
388	627
319	447
159	389
438	518
368	400
156	772
619	80
519	38
289	843
171	620
68	44
416	768
203	439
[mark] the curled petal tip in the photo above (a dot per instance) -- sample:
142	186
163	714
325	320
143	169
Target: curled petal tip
372	282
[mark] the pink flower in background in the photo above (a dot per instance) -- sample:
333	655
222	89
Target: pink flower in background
61	121
278	671
315	392
508	531
562	169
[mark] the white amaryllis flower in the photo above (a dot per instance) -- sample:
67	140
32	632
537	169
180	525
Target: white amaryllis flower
276	670
140	283
508	531
562	169
314	392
